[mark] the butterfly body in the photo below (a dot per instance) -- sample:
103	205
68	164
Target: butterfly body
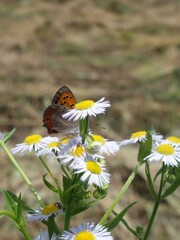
63	101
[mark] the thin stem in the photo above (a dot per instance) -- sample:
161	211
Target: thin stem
68	210
26	234
150	182
84	124
7	213
156	205
52	227
52	176
21	229
67	218
65	172
23	175
120	194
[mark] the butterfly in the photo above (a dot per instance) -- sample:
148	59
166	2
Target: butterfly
63	101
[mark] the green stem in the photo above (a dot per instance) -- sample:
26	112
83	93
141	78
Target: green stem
21	229
67	219
23	175
65	172
120	194
26	234
68	210
84	124
156	206
52	227
52	176
150	182
8	214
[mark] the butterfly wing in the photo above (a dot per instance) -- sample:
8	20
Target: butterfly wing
64	97
55	123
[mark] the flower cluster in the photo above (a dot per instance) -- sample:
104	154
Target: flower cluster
77	156
165	150
86	158
82	160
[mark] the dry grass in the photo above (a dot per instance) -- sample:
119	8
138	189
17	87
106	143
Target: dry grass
128	51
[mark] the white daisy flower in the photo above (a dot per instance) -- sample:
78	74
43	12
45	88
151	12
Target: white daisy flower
175	141
93	172
140	136
70	143
87	108
88	231
51	149
49	139
165	152
31	143
73	157
98	144
45	236
44	213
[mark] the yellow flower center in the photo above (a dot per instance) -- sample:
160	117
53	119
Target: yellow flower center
84	104
53	144
85	235
139	134
49	209
93	167
33	139
78	151
165	149
174	139
98	138
64	140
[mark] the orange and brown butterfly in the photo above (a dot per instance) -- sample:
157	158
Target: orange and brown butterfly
63	100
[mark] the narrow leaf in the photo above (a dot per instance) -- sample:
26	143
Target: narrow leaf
49	185
11	204
172	187
8	214
158	173
19	210
114	222
129	228
8	135
66	182
15	199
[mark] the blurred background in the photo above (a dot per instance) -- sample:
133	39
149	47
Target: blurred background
127	51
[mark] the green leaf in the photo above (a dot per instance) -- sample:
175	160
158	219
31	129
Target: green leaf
49	185
8	214
66	183
114	222
129	228
8	135
11	204
68	194
15	199
19	210
52	226
145	148
158	173
172	187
